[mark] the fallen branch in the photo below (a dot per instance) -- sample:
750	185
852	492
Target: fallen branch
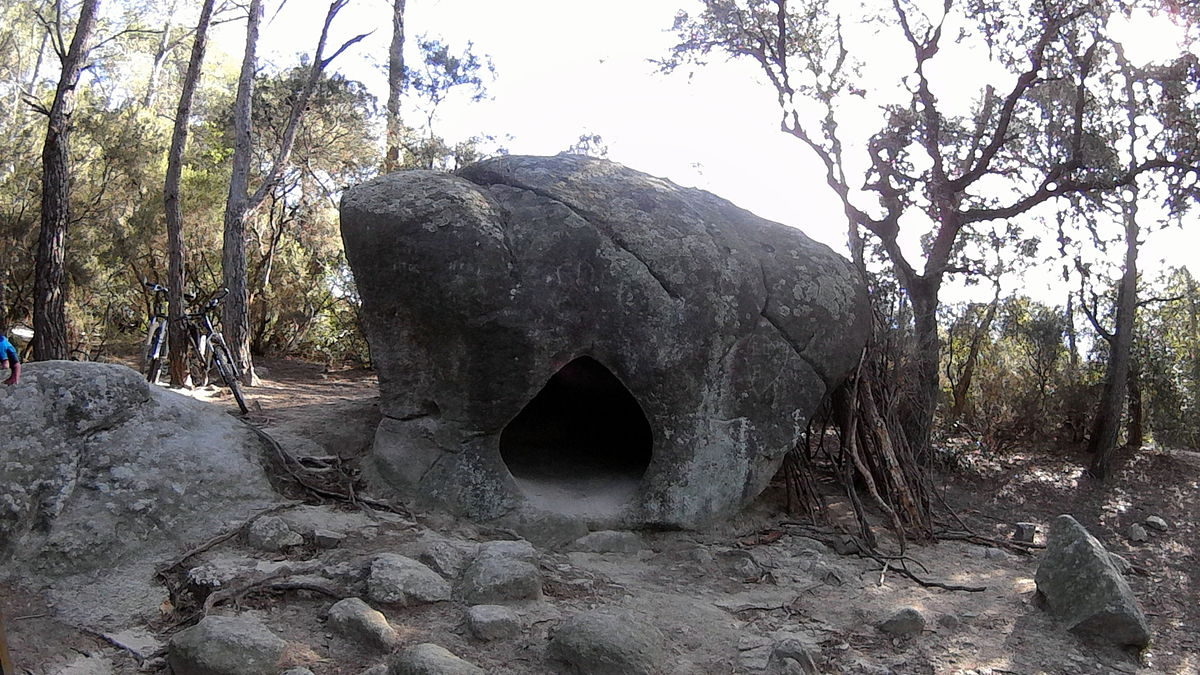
161	572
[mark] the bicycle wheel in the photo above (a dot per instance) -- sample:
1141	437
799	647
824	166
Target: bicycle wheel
154	355
225	368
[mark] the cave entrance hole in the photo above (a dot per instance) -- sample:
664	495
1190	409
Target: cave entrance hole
581	445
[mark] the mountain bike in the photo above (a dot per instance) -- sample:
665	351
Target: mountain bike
156	334
210	349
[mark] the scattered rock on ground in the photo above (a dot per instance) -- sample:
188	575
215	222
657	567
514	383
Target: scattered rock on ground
497	578
518	549
226	645
493	622
398	580
355	620
1025	532
610	642
430	659
328	538
1156	523
445	556
608	541
1138	534
272	533
792	655
905	622
1085	591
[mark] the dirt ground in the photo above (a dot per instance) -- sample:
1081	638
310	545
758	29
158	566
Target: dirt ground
719	611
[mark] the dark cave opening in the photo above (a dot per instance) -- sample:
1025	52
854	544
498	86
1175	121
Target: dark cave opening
582	444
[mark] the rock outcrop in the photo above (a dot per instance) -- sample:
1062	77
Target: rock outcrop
1085	591
697	337
105	476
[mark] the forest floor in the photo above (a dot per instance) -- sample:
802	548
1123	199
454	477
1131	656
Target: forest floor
720	621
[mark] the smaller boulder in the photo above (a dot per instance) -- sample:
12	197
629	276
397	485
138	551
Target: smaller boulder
1085	591
355	620
328	538
493	579
493	622
272	534
445	556
225	645
1025	532
1138	534
792	655
1156	523
517	549
430	659
610	642
398	580
908	621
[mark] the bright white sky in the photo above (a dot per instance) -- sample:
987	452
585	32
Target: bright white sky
565	67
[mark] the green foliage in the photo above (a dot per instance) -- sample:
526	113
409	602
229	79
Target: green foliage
1169	355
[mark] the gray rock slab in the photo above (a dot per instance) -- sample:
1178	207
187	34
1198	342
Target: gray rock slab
106	477
726	329
398	580
610	642
226	645
357	621
430	659
493	622
1085	591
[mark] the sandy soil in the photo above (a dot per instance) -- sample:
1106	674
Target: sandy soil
721	595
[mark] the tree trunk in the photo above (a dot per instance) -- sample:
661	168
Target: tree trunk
395	87
49	306
1107	423
923	393
160	56
178	339
1135	429
1072	341
963	386
235	311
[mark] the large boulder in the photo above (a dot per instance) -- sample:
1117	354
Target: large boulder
1085	591
105	477
700	337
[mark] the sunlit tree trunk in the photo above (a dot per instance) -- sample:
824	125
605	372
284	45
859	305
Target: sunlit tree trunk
395	87
235	311
162	50
963	386
178	340
49	302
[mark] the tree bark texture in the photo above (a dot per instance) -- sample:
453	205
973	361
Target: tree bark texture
49	295
1107	423
176	279
395	87
235	310
963	386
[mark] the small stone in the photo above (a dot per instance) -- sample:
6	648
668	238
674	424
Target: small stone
948	621
447	557
1138	534
907	621
608	541
356	621
494	578
397	580
298	670
702	556
493	622
328	538
517	549
377	669
430	659
1156	523
610	642
225	645
792	655
272	534
1025	532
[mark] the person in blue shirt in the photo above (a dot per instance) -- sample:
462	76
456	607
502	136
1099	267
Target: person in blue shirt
9	359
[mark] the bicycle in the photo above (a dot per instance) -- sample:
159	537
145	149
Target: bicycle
208	346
